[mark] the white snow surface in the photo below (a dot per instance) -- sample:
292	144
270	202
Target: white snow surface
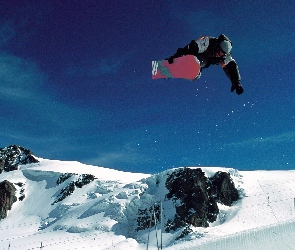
101	215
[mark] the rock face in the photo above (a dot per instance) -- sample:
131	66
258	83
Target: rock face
7	197
81	181
13	156
10	158
194	197
1	165
196	204
224	188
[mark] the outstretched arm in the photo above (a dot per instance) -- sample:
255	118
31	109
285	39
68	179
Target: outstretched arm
232	71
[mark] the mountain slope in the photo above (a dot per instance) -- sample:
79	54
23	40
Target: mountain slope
85	211
69	205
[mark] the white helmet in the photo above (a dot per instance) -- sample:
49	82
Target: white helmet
225	46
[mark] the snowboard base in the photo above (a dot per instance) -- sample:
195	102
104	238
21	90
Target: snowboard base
185	67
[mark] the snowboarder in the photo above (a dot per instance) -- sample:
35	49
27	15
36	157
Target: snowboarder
211	50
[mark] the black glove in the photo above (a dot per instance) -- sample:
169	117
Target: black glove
170	59
180	52
236	86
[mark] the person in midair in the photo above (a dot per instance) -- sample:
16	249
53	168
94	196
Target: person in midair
212	50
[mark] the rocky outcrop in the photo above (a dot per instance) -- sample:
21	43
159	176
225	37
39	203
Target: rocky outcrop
13	156
1	166
224	188
192	192
81	181
7	197
10	158
194	197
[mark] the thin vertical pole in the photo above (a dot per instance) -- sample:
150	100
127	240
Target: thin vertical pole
156	229
147	245
161	225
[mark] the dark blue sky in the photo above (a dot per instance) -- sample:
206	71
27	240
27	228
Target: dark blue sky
75	84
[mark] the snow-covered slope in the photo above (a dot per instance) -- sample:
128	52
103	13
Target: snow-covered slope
100	212
263	219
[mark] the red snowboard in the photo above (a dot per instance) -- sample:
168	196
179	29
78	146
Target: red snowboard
186	67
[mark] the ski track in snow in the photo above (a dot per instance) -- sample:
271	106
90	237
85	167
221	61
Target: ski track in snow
88	219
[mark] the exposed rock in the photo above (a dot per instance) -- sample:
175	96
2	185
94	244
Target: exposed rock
147	217
21	191
187	230
65	192
62	178
82	180
7	197
224	188
13	156
196	206
194	197
1	166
